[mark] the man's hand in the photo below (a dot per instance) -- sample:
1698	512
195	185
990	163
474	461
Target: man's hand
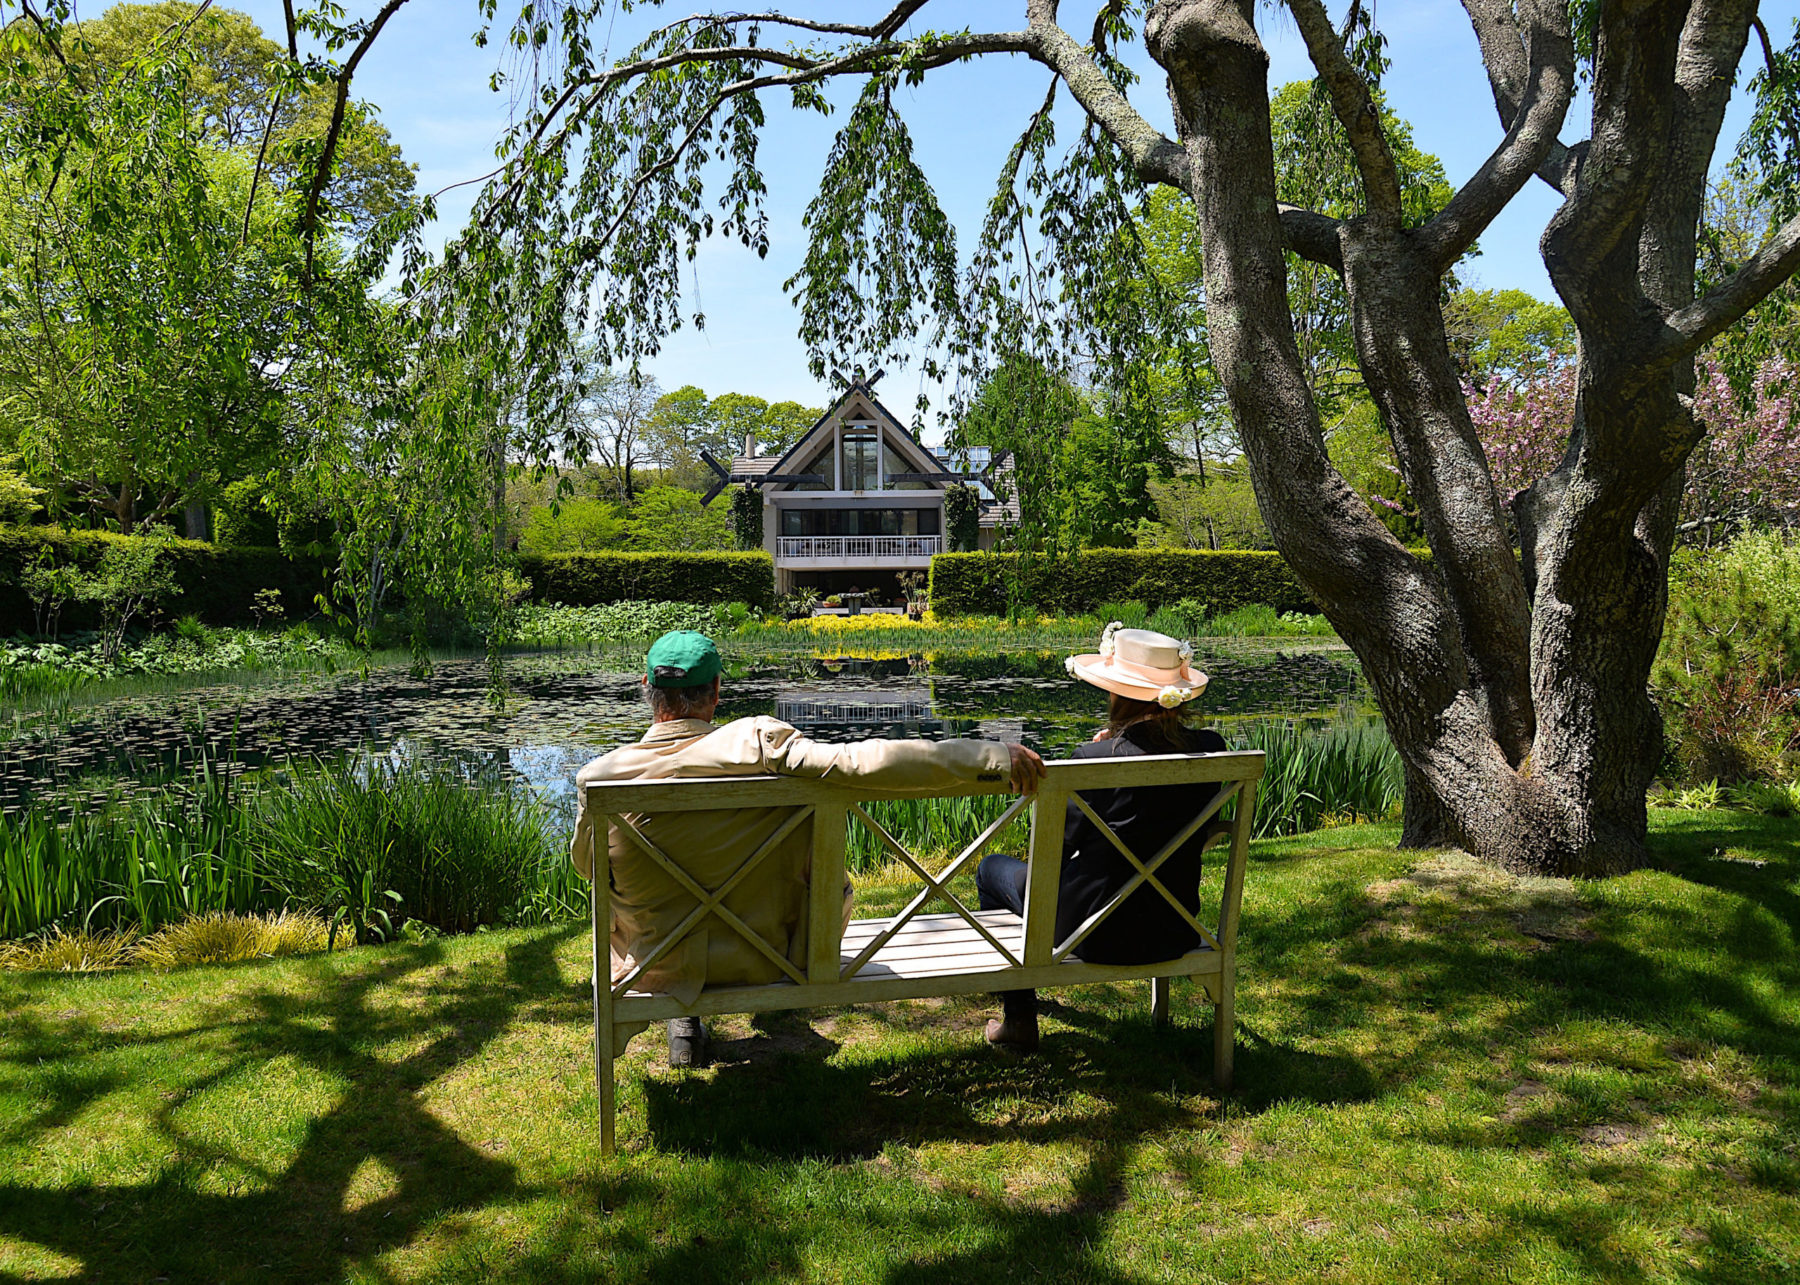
1027	768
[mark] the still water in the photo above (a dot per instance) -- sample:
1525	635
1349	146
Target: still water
563	711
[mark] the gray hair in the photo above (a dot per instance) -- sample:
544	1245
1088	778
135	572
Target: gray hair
678	702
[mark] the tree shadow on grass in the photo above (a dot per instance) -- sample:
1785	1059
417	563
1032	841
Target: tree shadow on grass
296	1226
782	1095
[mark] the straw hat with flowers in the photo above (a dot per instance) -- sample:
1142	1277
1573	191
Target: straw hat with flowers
1141	664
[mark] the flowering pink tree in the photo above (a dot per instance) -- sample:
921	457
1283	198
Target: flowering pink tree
1745	472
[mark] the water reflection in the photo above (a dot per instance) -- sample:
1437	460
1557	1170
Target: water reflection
564	712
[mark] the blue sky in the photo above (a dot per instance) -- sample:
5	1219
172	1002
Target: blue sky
431	85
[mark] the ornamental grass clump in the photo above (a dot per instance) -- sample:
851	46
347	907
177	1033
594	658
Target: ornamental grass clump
220	937
217	937
63	951
378	847
141	863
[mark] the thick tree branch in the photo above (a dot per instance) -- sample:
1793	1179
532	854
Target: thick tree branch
1762	34
883	30
309	219
1509	76
1313	236
1355	108
1709	316
1155	158
1712	45
1536	113
1590	246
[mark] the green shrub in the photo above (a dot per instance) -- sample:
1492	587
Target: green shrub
1131	615
594	579
962	517
218	585
747	517
241	518
1728	672
556	625
1215	582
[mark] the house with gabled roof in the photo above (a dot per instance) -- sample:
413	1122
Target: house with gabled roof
856	502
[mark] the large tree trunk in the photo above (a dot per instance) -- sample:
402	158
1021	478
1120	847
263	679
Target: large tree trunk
1514	689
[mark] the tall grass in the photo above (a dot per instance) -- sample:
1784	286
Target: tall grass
1346	772
145	862
388	843
370	847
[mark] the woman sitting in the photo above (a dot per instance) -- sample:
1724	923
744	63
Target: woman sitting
1149	682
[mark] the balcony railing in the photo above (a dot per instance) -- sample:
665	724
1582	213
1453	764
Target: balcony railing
858	548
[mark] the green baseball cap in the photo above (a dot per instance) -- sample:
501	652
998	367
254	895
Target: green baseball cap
682	658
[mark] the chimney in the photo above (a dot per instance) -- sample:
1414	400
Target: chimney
750	446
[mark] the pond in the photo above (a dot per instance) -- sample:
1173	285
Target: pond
565	709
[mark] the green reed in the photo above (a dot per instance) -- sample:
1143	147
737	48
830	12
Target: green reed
144	862
1345	772
1349	771
369	846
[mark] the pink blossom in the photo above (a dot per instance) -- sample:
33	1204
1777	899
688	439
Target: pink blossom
1745	470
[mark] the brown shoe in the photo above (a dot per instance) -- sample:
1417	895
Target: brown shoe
1018	1034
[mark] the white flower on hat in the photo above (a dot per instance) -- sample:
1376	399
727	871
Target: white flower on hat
1107	645
1187	652
1170	697
1069	664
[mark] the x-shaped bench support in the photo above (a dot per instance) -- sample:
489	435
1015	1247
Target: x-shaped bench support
711	903
1145	873
934	886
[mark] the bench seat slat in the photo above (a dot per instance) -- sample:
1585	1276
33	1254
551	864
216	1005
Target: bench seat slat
638	1006
997	921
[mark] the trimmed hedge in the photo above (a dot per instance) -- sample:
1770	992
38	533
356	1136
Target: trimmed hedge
218	585
594	579
983	583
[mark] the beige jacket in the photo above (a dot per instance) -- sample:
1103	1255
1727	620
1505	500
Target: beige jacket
710	846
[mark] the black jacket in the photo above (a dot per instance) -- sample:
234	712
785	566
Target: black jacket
1146	929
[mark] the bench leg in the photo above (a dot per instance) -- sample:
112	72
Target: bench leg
606	1104
1223	1035
1159	1000
604	1036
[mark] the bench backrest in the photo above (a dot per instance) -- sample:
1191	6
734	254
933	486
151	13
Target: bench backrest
831	805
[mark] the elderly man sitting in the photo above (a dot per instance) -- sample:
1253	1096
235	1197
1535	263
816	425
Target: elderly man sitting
681	684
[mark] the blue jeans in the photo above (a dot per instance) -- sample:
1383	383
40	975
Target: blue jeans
1000	885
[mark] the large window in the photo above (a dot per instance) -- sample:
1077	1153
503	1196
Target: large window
861	451
818	466
893	462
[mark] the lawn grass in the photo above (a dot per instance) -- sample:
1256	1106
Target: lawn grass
1444	1074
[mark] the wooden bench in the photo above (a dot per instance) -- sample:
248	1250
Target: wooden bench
911	955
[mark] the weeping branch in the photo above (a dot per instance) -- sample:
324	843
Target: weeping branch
1355	109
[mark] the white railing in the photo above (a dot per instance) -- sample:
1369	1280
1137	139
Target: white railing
800	710
854	548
